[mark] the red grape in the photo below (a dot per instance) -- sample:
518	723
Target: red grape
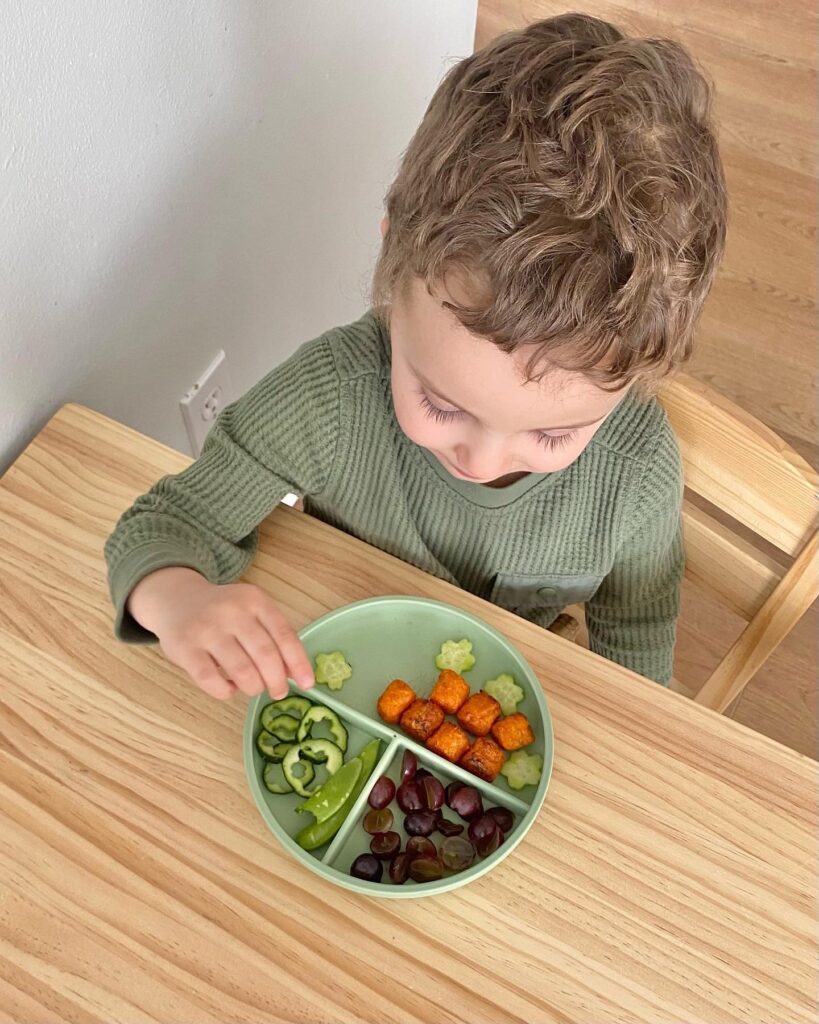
385	844
466	801
447	827
456	853
433	792
367	867
409	765
425	869
382	793
409	796
450	789
420	846
378	821
422	773
399	868
503	817
419	823
481	828
490	843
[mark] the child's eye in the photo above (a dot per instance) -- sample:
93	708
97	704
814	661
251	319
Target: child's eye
434	413
554	441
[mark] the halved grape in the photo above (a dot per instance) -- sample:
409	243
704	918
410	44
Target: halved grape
450	789
467	802
399	868
376	821
420	846
385	845
409	796
490	843
481	828
503	817
433	792
447	827
456	853
409	765
367	867
420	823
382	793
425	869
422	773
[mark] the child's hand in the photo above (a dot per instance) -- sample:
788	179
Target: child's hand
224	637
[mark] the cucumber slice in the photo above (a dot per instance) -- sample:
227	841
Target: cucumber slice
317	714
275	780
269	746
323	752
523	769
505	691
299	773
293	705
333	669
456	655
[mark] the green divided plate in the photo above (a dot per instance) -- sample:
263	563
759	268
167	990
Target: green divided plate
389	638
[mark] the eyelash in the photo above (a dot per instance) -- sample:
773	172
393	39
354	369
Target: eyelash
550	441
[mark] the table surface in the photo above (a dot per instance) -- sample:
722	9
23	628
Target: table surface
670	875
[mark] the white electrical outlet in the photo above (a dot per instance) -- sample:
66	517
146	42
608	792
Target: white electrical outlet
203	402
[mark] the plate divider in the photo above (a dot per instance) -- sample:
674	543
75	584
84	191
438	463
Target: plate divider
498	795
351	820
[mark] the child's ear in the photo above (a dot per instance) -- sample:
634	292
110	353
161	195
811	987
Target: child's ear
385	225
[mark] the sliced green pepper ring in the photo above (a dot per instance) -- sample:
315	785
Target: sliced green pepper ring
293	705
299	772
317	714
283	727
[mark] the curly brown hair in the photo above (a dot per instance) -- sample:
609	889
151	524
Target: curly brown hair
570	176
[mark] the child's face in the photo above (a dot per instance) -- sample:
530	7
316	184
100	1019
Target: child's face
466	400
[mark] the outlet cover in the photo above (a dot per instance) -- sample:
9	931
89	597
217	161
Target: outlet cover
204	400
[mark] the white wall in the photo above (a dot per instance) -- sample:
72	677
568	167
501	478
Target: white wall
185	176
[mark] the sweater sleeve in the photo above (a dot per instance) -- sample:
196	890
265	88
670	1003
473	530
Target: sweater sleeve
278	438
632	619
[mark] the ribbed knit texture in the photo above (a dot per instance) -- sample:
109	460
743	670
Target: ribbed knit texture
605	530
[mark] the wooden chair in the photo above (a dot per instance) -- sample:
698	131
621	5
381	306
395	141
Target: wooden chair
748	475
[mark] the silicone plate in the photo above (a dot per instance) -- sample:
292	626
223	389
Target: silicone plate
383	639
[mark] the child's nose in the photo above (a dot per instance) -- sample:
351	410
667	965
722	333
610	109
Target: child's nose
486	463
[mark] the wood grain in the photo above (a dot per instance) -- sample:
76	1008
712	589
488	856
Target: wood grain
670	876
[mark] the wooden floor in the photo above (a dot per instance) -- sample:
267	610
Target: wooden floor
757	338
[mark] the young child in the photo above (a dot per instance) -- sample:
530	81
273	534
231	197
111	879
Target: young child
553	232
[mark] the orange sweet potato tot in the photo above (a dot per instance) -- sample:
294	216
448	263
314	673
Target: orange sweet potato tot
450	741
479	713
484	759
450	691
513	732
395	700
421	719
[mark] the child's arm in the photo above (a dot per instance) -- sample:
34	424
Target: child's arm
632	618
280	437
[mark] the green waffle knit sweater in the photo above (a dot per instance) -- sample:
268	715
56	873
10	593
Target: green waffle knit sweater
604	531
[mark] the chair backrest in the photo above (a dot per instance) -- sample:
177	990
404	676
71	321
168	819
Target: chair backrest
751	475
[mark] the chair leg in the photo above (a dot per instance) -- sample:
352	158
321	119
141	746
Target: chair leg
792	597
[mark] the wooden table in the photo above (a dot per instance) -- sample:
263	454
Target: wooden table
670	877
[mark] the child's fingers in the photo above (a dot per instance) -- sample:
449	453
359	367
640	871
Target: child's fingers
204	671
296	662
262	649
237	665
